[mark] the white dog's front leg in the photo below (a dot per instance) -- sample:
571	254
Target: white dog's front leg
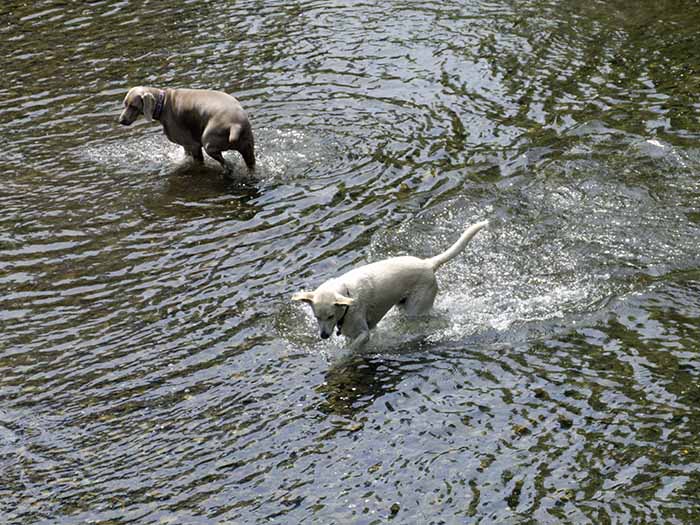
360	341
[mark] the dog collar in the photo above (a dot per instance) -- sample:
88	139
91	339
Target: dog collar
160	102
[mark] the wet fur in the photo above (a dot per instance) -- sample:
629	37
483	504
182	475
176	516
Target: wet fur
196	119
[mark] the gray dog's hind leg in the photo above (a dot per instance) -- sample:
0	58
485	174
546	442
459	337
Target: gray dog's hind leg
217	156
195	152
246	147
242	140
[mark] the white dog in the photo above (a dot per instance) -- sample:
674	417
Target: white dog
357	300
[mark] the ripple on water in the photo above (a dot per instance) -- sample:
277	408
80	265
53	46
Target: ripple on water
152	368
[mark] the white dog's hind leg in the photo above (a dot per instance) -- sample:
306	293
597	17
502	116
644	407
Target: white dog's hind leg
421	299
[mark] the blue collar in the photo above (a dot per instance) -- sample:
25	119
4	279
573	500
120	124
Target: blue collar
160	102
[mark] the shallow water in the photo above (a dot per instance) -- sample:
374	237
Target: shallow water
152	367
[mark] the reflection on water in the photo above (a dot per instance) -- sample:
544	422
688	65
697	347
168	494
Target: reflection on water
152	367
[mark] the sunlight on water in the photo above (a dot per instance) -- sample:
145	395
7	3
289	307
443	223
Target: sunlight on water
153	368
138	154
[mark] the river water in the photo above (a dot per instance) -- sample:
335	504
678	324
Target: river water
152	367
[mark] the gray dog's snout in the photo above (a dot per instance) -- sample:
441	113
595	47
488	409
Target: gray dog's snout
325	335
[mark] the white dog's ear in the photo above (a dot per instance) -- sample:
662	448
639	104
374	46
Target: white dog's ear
342	300
307	297
149	106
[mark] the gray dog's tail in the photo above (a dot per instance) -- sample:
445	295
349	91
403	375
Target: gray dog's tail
457	247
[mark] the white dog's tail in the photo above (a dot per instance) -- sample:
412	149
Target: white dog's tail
457	247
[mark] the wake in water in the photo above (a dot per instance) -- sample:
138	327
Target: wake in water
145	153
492	287
541	266
290	153
281	154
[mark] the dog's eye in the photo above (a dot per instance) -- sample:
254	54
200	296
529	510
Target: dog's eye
329	317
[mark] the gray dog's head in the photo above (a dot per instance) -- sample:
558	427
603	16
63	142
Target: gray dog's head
328	307
138	101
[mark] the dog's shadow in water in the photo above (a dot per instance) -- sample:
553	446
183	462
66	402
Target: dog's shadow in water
355	382
356	379
205	189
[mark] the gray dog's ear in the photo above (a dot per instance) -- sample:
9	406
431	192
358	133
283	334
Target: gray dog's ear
342	300
149	106
307	297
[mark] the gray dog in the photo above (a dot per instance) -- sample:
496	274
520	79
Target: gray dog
356	301
195	119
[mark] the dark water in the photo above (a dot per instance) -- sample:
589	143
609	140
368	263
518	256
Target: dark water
152	368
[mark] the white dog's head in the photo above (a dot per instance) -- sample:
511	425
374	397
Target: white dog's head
329	308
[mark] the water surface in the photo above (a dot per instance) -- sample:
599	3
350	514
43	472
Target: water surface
152	367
